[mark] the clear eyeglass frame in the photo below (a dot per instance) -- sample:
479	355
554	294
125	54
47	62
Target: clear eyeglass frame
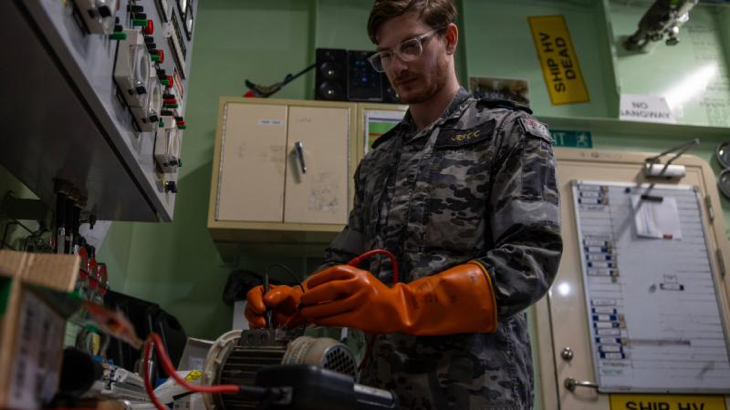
408	50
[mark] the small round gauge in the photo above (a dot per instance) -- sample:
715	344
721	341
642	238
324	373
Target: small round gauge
723	154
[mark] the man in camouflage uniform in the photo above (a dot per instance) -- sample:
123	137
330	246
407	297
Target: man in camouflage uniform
463	193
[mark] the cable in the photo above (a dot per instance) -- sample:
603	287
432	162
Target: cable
368	351
154	340
289	271
394	263
354	262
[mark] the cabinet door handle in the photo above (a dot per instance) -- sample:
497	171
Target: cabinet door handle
300	155
570	384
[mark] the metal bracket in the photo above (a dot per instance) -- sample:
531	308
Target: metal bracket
653	168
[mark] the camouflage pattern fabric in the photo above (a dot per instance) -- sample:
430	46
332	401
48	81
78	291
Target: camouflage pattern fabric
477	184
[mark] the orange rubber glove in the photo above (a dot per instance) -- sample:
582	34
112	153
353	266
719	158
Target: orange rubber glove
459	300
283	300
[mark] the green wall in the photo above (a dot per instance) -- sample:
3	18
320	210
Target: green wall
499	43
690	75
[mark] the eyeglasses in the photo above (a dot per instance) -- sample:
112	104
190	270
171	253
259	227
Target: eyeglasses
408	50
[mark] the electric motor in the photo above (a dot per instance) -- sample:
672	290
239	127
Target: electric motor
237	356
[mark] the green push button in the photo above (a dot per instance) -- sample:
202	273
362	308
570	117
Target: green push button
118	36
139	22
156	58
182	127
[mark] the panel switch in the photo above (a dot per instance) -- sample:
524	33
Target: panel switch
98	15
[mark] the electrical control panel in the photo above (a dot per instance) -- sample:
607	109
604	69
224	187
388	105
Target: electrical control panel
96	97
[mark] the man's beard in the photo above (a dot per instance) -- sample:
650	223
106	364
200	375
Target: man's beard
438	81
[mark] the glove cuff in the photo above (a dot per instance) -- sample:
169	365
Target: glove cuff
490	286
458	300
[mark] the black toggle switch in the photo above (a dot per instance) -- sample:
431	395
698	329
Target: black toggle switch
105	11
171	186
140	16
135	9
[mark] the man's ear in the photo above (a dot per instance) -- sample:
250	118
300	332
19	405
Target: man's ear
452	38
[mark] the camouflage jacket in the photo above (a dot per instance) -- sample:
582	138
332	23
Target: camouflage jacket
478	184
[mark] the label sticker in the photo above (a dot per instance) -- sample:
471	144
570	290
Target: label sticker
36	364
647	108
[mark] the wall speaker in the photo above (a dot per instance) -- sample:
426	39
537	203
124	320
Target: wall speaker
331	76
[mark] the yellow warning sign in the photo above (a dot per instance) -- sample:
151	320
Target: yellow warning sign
558	60
666	402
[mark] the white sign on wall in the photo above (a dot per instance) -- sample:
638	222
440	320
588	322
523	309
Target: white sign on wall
647	108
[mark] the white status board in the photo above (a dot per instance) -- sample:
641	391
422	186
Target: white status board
654	315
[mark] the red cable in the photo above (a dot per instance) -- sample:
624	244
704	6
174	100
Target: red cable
356	261
394	263
154	339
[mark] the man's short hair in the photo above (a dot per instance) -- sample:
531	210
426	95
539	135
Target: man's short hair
435	13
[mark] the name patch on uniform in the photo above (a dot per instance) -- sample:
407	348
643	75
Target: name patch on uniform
456	138
536	128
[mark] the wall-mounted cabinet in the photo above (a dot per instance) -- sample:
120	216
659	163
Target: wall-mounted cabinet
282	174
